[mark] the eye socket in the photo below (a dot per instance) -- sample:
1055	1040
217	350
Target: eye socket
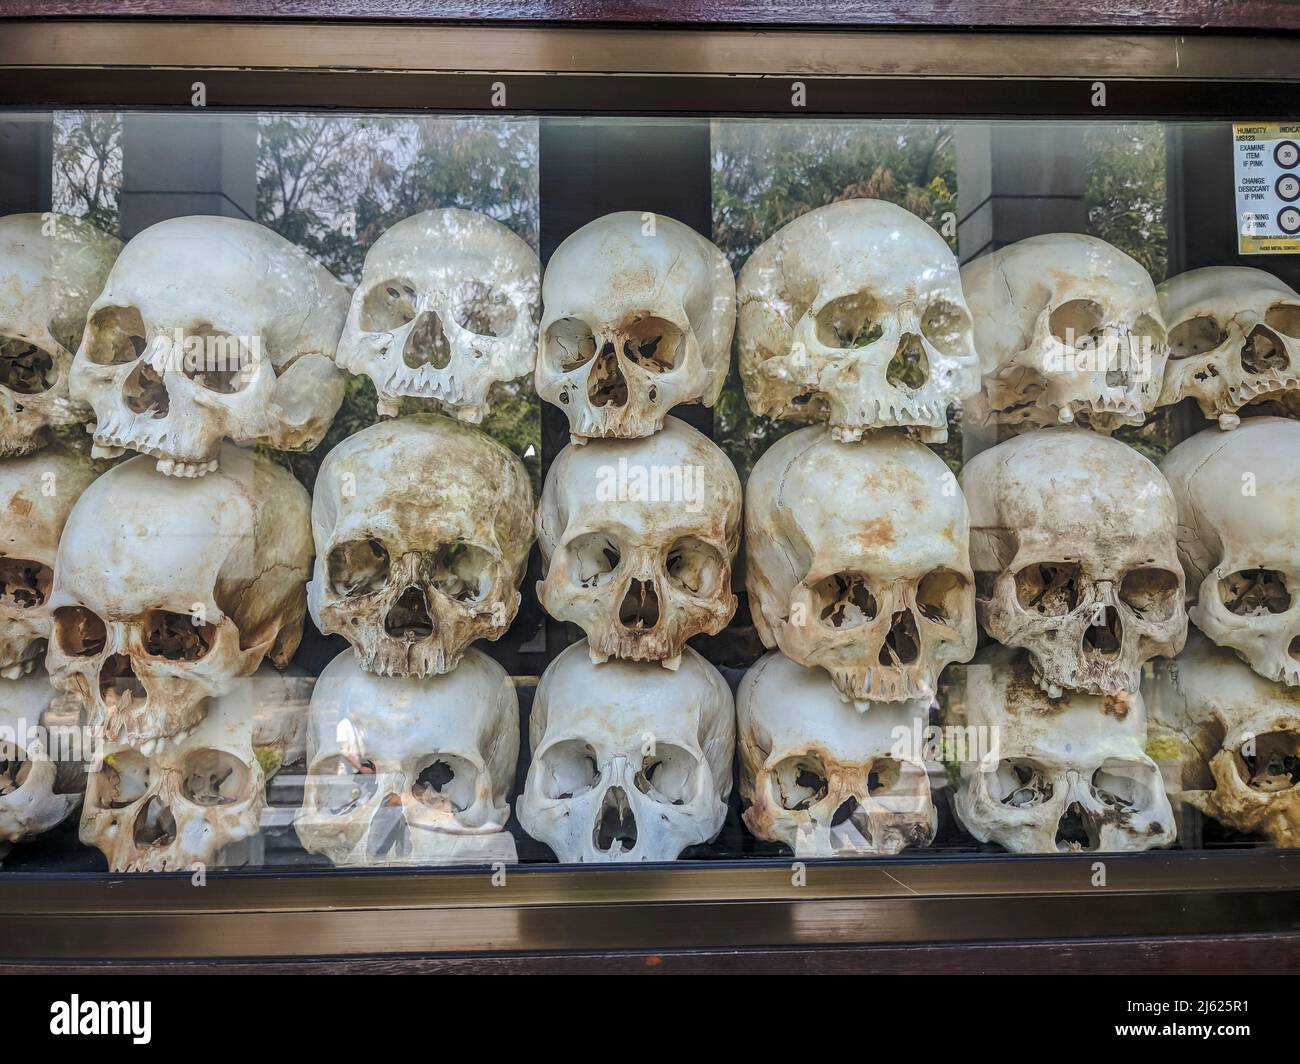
1020	784
1123	785
217	361
357	567
1049	588
801	781
668	775
1263	352
340	784
1195	336
124	780
80	633
15	766
884	776
593	558
946	326
214	777
1078	324
176	637
851	321
24	367
388	305
939	596
1255	592
844	600
1285	318
464	572
694	566
1150	593
1271	763
570	343
445	781
569	768
24	584
486	311
652	343
116	336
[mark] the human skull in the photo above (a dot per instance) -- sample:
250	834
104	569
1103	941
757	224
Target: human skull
857	561
1234	339
37	493
1239	740
637	540
630	762
447	307
1061	775
167	591
1238	499
188	801
422	527
209	329
1073	541
1068	328
853	314
823	779
411	770
638	315
51	268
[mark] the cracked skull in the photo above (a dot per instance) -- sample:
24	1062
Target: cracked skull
1073	541
1062	775
167	591
422	527
638	316
857	561
637	540
37	493
826	780
853	314
631	762
1238	510
447	307
51	268
1234	339
411	770
210	329
1068	329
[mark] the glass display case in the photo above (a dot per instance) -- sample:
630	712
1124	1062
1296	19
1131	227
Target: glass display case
478	489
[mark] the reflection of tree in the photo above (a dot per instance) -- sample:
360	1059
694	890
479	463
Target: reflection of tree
1125	194
87	178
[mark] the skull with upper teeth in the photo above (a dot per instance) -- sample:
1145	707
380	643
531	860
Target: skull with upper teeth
824	779
1234	339
37	493
51	268
1062	775
165	592
630	762
1068	329
411	770
447	307
1074	549
853	314
210	329
423	527
857	561
639	312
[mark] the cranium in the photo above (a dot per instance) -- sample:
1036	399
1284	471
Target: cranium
637	540
853	314
639	312
1238	510
210	328
447	306
51	267
423	527
1062	775
36	495
1068	328
857	561
823	779
166	591
1234	339
1073	544
411	770
631	762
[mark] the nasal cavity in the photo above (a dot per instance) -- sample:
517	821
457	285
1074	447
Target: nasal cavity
902	646
606	385
847	808
616	825
426	343
1263	352
640	608
409	617
117	679
145	392
388	831
1104	637
909	368
154	824
1072	830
